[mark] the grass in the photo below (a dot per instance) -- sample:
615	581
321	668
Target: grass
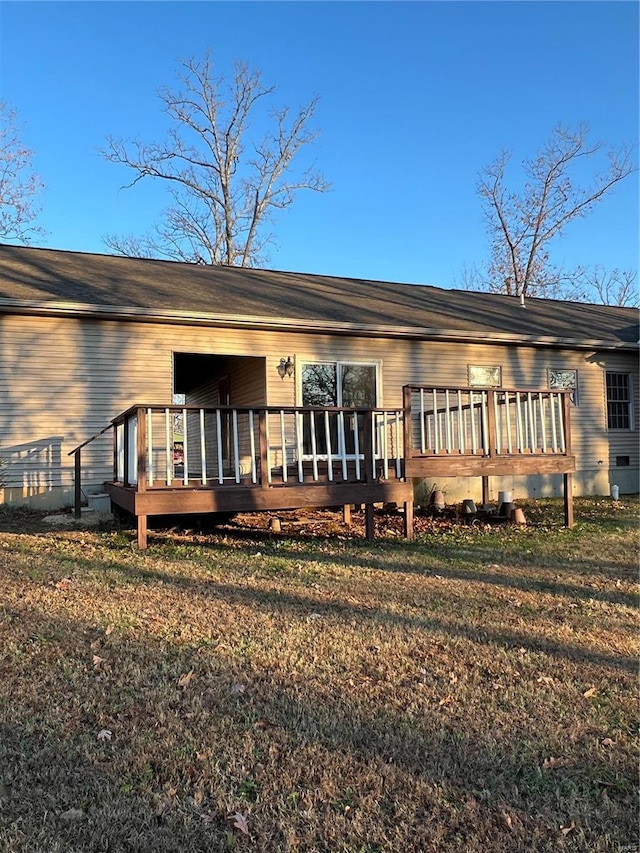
475	690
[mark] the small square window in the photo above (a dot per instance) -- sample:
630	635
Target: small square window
622	461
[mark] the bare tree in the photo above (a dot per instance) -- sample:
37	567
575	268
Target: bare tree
522	225
608	287
224	185
19	185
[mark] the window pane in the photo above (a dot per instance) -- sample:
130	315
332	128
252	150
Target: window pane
319	385
358	385
618	401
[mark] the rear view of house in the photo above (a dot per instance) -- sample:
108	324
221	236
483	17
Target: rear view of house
219	377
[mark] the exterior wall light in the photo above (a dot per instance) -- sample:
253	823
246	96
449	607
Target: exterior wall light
285	368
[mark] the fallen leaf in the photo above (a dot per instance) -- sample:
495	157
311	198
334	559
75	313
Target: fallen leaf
185	680
565	830
608	742
198	797
545	679
589	693
63	583
108	630
104	734
97	660
240	822
446	701
506	819
237	689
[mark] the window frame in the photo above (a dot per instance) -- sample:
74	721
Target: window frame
337	364
377	365
629	401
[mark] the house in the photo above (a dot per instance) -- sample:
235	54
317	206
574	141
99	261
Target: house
87	337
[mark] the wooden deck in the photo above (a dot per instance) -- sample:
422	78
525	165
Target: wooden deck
179	459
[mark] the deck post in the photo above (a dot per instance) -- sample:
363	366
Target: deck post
125	449
368	462
142	532
408	519
568	500
369	523
406	424
485	490
141	450
77	485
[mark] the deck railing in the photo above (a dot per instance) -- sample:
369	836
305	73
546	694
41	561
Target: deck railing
185	446
442	421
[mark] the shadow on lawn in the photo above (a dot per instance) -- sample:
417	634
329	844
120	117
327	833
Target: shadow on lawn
374	560
53	764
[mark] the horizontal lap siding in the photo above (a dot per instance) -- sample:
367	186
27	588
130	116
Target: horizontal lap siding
61	380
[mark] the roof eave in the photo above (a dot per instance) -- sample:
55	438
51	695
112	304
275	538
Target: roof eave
195	318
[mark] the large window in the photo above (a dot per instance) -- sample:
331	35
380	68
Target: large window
619	401
344	384
339	384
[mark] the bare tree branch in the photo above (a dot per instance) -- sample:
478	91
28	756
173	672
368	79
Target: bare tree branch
521	226
224	185
19	185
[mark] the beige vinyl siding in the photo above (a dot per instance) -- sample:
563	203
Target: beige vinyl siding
61	380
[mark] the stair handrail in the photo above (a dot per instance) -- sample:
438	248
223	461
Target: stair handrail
77	480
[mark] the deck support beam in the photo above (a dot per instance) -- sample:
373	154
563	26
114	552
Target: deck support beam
568	500
408	519
142	532
485	490
370	528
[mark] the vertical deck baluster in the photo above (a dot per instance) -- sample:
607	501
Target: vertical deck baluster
447	420
385	448
236	444
563	442
185	449
268	442
203	450
283	444
150	468
342	446
327	433
219	448
356	442
422	444
519	436
485	425
552	414
252	445
398	450
532	423
299	447
436	437
461	443
497	421
472	418
543	427
168	445
507	409
314	455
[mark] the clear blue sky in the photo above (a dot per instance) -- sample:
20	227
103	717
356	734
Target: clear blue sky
414	99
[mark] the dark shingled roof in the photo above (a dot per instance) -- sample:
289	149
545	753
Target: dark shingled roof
148	286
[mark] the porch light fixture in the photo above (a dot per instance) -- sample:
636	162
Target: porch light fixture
285	368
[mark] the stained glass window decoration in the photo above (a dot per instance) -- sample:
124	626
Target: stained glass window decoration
564	380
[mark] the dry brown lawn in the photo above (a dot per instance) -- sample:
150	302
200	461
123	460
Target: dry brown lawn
475	690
